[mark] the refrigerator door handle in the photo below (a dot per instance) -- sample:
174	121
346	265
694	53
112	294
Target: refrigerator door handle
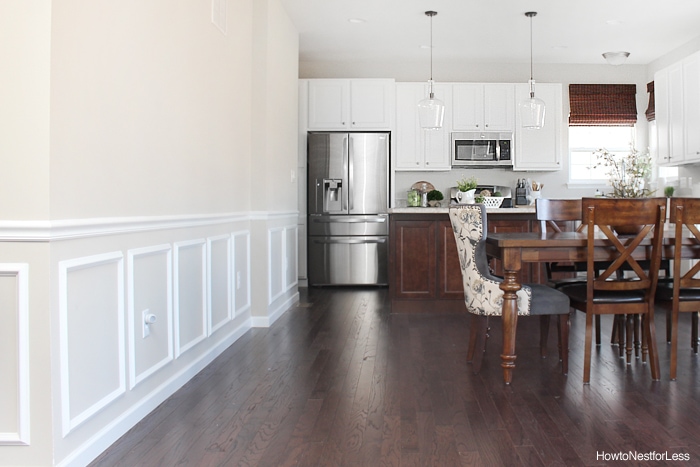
351	173
325	220
354	241
346	157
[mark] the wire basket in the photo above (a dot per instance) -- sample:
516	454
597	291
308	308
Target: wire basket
493	201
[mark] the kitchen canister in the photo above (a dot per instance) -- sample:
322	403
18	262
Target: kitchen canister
413	198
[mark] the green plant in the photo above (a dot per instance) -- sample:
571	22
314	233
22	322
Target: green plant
479	199
467	184
435	195
668	191
629	174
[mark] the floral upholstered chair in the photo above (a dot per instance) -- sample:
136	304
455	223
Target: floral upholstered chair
484	298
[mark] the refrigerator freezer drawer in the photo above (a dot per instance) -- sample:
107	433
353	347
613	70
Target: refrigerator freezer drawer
368	225
357	260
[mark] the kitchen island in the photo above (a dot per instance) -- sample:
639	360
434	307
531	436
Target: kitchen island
424	271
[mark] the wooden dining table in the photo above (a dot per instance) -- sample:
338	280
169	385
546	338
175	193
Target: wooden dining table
514	249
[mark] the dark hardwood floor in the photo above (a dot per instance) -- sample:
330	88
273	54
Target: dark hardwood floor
339	381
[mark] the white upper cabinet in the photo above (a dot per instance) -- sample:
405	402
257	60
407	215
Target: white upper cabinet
350	104
539	149
677	108
418	149
691	107
483	107
661	110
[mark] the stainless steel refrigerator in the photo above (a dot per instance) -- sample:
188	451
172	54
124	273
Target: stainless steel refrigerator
348	224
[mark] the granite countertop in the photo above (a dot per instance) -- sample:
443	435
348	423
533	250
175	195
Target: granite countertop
445	210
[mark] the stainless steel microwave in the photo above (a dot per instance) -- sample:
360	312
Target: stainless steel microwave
482	149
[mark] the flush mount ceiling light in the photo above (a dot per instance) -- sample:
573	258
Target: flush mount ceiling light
616	58
431	110
532	109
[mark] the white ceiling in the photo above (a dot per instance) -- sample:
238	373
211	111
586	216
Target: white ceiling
492	31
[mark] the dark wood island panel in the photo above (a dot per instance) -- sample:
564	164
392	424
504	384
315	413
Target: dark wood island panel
424	272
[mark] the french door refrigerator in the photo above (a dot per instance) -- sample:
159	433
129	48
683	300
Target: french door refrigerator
348	224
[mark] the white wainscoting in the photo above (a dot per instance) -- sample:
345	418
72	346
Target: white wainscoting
193	273
14	358
91	335
149	291
241	271
190	294
219	282
282	256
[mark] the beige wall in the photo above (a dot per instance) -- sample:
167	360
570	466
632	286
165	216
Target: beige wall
131	136
25	28
150	108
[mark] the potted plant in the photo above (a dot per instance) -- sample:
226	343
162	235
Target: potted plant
629	174
434	198
629	178
467	188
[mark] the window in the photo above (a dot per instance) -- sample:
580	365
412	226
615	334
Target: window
585	140
601	116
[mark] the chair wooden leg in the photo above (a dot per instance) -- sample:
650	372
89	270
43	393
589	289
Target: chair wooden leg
473	330
614	332
629	323
475	354
673	313
668	326
694	332
645	347
650	337
620	319
587	349
597	330
563	328
544	333
635	324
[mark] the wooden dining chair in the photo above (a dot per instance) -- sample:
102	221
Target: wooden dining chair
683	293
484	298
560	215
563	215
609	292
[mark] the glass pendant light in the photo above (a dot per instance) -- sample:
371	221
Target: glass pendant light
431	110
532	109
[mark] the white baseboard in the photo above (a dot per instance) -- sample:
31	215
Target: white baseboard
104	438
276	313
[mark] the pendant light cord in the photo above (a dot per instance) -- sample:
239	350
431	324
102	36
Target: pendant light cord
431	14
530	14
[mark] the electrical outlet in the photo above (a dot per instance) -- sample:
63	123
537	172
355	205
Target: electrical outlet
146	327
294	175
238	280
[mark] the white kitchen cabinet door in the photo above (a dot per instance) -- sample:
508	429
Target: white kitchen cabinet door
691	110
409	154
371	104
468	107
343	104
499	107
329	104
539	149
437	142
418	149
675	113
483	107
661	110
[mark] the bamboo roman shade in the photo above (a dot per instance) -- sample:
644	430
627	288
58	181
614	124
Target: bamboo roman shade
602	104
651	108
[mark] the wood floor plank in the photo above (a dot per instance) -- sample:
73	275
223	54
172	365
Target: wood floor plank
340	381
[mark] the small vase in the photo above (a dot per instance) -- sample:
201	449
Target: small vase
466	197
